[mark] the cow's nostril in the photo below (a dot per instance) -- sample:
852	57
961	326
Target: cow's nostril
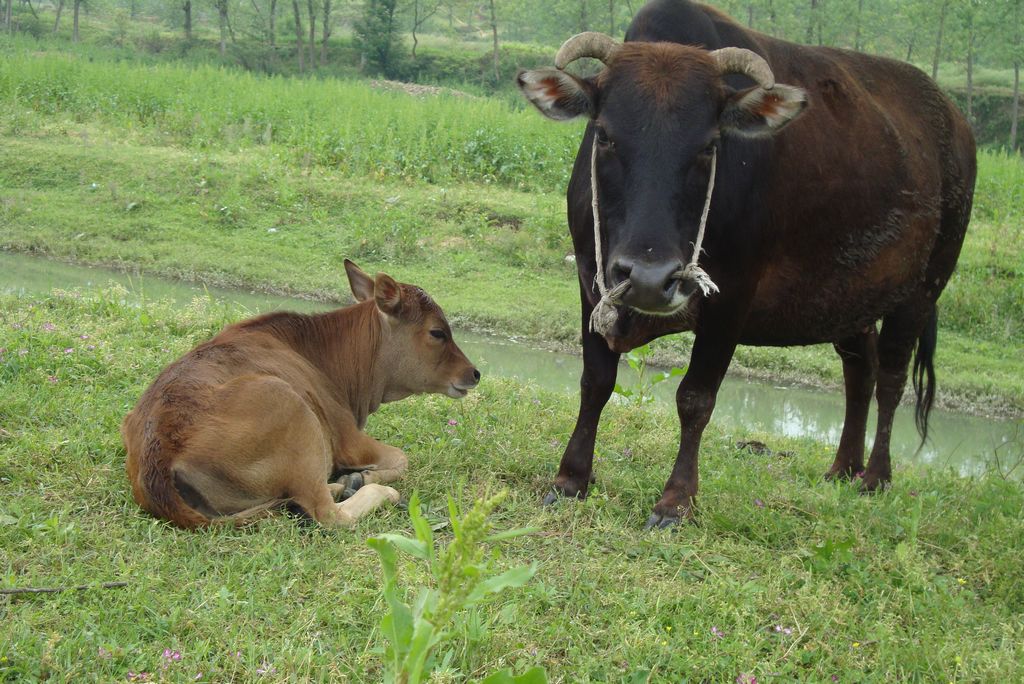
476	375
619	271
670	287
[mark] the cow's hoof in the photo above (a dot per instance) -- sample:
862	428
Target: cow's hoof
839	475
869	483
559	492
658	521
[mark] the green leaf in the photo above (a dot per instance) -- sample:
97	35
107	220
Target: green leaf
516	577
421	526
413	547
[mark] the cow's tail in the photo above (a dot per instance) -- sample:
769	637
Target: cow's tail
924	374
155	490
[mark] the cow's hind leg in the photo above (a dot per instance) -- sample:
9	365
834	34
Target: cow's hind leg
860	364
900	332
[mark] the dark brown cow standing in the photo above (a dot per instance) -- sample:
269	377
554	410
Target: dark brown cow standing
843	191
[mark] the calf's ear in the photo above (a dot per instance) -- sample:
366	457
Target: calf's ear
361	284
759	113
388	295
557	94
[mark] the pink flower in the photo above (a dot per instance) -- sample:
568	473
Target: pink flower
783	630
265	668
717	633
452	422
103	653
69	350
83	337
53	379
90	347
746	679
50	327
759	503
172	655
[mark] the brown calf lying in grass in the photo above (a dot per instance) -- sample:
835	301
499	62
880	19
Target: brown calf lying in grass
272	408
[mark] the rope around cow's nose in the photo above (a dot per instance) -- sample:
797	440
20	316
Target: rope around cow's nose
605	313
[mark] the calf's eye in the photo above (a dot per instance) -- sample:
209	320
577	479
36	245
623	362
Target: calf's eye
438	334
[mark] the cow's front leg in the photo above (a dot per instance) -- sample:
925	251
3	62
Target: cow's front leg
695	401
600	366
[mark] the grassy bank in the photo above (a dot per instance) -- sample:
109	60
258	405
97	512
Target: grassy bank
250	217
787	577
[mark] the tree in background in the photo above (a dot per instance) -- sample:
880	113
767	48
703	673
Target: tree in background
222	16
377	37
298	34
74	30
326	32
187	8
422	10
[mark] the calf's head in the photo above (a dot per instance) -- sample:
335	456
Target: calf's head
658	111
417	346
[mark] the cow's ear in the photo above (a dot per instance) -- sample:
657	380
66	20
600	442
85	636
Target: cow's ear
557	94
388	295
361	284
758	113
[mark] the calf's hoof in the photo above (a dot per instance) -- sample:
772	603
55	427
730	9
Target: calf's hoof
350	483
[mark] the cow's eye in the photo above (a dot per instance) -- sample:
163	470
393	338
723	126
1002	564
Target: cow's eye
602	137
438	334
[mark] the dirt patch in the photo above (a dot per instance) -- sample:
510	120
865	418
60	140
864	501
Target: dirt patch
416	89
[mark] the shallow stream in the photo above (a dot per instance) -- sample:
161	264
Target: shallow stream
966	443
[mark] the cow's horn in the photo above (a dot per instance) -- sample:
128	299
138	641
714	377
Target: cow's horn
587	44
734	60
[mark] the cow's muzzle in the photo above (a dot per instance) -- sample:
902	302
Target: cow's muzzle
655	288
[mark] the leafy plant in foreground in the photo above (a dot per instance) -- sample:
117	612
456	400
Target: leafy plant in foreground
460	580
643	393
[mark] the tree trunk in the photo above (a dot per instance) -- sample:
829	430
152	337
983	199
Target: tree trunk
133	10
222	14
611	17
56	22
1015	109
750	16
415	25
494	32
300	49
910	46
326	32
938	39
772	18
312	33
860	14
8	17
273	23
74	31
811	22
970	70
188	19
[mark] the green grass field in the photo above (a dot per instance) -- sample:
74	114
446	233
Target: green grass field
786	578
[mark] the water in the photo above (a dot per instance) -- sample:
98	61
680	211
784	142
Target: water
962	442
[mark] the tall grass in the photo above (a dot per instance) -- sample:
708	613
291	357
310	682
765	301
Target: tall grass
343	124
